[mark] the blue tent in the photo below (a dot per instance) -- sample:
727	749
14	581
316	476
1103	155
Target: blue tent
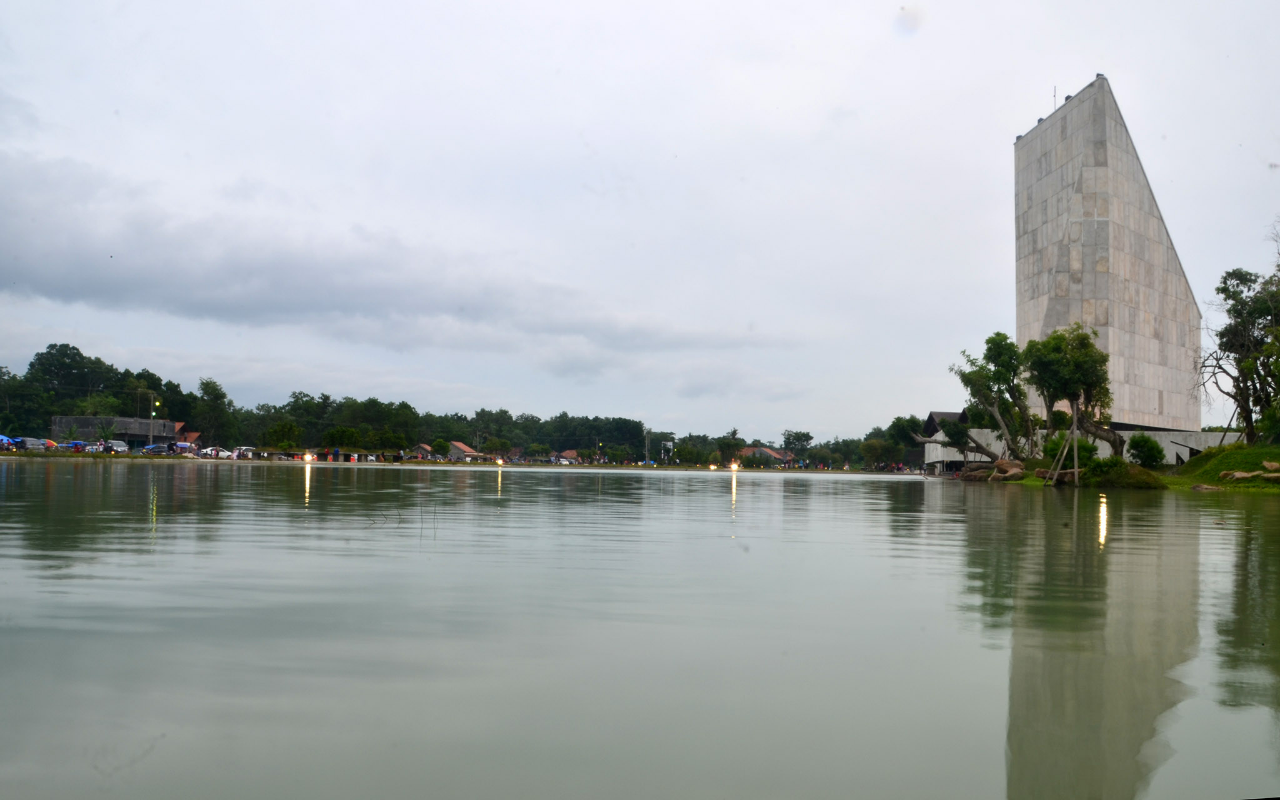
5	440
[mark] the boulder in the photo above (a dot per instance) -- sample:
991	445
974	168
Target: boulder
1225	474
1271	465
1243	476
1013	475
1204	487
975	475
1042	473
1274	477
1007	465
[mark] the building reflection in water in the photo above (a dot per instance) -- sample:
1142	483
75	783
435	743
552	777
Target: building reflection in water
1104	606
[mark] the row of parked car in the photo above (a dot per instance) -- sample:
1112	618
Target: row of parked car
117	447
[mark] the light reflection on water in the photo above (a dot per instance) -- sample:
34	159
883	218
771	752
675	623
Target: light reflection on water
214	630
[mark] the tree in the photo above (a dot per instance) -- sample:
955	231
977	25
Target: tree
797	442
284	435
440	448
214	413
1068	365
994	384
729	446
904	430
1145	451
497	446
1244	365
877	453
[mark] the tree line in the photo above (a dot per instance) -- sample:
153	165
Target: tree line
63	381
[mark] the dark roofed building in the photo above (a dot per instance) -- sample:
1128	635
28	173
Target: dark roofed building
933	422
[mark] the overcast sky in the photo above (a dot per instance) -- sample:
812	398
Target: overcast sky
702	215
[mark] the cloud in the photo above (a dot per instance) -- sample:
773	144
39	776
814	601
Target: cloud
71	233
16	115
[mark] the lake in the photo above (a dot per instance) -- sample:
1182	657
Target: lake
215	630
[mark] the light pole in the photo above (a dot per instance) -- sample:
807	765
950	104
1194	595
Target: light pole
151	429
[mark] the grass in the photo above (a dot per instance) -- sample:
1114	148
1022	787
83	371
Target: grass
1206	467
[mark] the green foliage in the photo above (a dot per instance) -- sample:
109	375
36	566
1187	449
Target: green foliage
1245	365
284	435
1145	451
998	399
1088	450
821	456
341	436
440	448
496	446
1068	365
214	414
880	453
900	430
797	442
729	446
1114	472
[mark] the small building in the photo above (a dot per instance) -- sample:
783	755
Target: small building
569	456
940	459
184	436
460	452
767	453
135	431
424	451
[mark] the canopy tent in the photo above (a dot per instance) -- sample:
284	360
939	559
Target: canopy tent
50	443
5	439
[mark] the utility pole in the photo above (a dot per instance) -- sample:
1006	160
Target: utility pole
151	430
646	443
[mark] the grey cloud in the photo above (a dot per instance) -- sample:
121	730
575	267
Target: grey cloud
16	115
74	234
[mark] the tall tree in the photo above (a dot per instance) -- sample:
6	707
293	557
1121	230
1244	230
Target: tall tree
1240	365
214	413
1068	365
994	383
797	442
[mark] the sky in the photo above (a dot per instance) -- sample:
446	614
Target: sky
703	216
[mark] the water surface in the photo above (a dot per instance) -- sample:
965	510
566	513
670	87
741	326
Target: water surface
209	630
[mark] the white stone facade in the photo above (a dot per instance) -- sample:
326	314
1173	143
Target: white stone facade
1092	247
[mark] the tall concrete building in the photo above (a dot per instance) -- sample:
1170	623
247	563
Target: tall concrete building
1093	248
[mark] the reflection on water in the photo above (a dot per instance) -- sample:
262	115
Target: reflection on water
211	630
1096	631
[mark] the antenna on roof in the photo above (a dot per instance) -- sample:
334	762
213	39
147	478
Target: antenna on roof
1055	98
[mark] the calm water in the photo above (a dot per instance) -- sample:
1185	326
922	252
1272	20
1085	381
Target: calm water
227	630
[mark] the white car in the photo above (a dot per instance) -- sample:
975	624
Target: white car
243	452
215	452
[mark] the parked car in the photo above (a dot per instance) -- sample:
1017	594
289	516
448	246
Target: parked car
117	446
31	445
215	452
156	450
243	452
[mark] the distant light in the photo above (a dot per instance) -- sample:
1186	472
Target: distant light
734	466
499	462
1102	521
307	457
713	466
